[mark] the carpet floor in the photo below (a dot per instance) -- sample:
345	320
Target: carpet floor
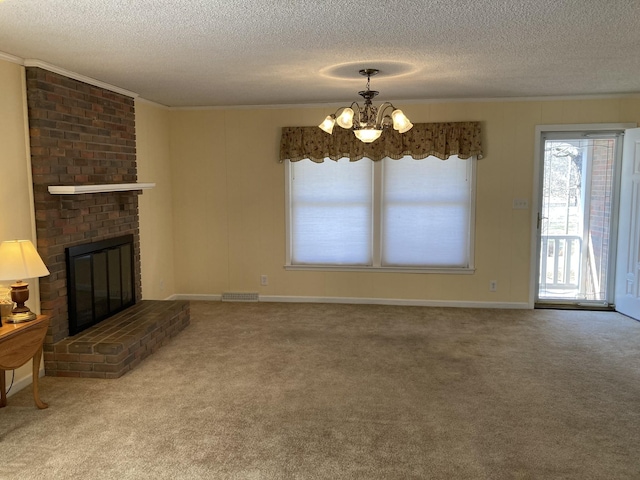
311	391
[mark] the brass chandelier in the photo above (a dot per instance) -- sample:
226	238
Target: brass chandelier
368	121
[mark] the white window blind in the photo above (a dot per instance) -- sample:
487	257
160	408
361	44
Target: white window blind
425	212
331	206
394	214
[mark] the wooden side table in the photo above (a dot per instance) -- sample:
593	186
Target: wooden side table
19	343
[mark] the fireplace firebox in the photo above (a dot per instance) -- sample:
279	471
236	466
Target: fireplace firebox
100	281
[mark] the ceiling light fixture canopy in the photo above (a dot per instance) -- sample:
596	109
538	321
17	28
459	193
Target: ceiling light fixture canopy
368	121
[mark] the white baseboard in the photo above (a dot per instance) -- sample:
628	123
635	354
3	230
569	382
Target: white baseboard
363	301
395	301
23	382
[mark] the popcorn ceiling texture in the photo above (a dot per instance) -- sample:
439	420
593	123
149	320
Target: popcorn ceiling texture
266	52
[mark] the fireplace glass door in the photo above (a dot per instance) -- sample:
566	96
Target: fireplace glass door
100	281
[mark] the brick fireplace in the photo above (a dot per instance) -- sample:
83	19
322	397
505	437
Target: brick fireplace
80	135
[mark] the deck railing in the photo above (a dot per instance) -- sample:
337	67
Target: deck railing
561	261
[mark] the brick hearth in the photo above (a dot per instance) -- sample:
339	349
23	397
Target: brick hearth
118	344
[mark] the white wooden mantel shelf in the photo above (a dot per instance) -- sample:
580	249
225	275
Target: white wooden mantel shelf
110	187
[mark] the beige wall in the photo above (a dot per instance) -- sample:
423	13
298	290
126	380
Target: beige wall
229	204
16	192
215	221
155	205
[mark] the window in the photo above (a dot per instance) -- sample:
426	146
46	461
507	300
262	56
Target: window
389	215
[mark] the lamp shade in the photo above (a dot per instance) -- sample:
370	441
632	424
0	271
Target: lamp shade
19	259
345	120
400	121
328	124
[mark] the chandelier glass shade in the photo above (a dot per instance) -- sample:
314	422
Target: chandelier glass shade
367	121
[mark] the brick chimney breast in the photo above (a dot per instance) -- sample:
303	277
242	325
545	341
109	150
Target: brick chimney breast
80	135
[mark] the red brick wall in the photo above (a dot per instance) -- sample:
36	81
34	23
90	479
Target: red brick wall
80	135
603	156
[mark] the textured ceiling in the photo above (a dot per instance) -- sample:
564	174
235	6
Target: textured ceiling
271	52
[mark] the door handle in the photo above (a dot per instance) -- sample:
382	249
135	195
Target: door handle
540	218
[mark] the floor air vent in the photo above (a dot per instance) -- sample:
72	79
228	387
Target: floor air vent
240	297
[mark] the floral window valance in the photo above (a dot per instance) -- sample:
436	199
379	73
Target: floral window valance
438	139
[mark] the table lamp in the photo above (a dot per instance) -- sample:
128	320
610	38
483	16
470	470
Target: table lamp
19	259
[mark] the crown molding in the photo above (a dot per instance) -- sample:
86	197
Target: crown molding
32	62
424	101
11	58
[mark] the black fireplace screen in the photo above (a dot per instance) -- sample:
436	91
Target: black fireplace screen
100	281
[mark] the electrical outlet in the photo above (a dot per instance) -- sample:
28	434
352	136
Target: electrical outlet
493	285
520	204
161	285
264	280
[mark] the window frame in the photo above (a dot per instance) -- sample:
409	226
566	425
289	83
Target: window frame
377	226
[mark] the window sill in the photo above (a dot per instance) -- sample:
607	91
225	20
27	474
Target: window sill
355	268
